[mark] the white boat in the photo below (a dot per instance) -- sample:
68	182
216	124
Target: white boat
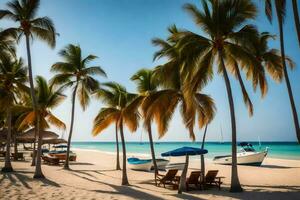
178	166
247	156
140	164
161	163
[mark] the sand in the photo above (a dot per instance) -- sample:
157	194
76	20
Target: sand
93	176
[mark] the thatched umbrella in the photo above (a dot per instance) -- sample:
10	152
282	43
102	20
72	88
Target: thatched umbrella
54	141
28	136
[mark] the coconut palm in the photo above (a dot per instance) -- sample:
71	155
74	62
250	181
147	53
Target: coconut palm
147	83
75	73
24	12
280	12
226	31
47	98
121	108
13	77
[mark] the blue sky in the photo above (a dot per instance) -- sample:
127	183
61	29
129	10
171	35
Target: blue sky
120	33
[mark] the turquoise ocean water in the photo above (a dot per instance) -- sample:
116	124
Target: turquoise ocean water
284	150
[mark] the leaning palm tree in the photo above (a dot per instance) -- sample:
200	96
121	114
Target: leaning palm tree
224	25
24	12
75	73
121	109
13	77
47	98
147	84
280	12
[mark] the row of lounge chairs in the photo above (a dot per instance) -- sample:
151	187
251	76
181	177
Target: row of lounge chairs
170	178
18	156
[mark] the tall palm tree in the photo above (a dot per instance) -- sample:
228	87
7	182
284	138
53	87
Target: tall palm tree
75	73
147	83
24	12
224	25
47	99
161	105
13	77
121	109
280	12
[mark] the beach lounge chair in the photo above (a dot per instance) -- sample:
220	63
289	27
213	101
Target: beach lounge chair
18	156
211	179
50	160
193	179
168	179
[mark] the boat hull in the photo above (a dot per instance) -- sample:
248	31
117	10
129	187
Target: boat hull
253	158
178	166
161	164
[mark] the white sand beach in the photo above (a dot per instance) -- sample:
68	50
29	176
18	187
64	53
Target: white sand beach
93	176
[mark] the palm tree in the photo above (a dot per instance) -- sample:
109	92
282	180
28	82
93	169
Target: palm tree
121	109
47	98
24	12
280	12
147	83
74	72
13	76
223	23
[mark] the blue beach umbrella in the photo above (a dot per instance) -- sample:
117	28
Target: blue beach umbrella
184	151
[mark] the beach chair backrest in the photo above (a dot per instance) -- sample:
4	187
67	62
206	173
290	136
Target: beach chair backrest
194	177
211	175
171	174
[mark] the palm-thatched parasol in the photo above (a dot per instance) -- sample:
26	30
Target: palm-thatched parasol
28	136
54	141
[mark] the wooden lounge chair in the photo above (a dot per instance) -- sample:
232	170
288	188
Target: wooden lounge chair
168	179
50	160
18	156
193	179
211	179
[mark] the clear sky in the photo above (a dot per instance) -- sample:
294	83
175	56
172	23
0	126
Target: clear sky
120	33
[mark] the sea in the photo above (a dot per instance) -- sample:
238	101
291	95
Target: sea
282	150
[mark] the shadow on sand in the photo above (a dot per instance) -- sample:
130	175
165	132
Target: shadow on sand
17	177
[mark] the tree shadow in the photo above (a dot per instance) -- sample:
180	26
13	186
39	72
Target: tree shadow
277	167
17	177
127	190
80	163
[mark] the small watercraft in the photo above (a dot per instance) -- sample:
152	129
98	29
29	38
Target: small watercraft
161	163
140	164
61	153
146	164
247	156
178	166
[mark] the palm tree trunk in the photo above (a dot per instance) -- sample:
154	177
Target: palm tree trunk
34	149
15	147
152	150
66	166
182	182
286	77
235	183
124	172
296	19
202	156
118	152
38	169
7	166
